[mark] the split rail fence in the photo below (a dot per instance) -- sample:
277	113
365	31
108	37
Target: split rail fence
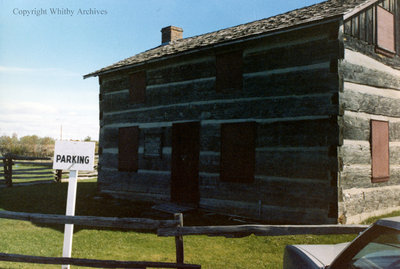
124	223
172	228
24	169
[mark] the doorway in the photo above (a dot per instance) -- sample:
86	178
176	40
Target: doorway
185	163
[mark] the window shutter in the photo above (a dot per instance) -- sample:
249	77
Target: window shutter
238	152
128	145
137	89
380	151
229	71
385	31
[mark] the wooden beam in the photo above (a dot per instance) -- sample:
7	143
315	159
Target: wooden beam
19	157
179	239
32	169
17	172
36	163
262	230
359	9
92	262
33	177
125	223
368	74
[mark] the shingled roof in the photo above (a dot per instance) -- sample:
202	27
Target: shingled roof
321	11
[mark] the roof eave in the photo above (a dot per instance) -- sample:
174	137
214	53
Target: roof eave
359	8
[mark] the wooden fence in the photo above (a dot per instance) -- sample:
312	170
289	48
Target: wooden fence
236	231
173	228
33	169
125	223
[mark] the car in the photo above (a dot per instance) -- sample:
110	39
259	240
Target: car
376	247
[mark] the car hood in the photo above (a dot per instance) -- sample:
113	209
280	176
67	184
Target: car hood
322	254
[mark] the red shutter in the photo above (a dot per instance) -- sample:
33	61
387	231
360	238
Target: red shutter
238	152
128	145
229	71
137	89
380	150
385	31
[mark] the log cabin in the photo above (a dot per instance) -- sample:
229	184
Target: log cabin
289	119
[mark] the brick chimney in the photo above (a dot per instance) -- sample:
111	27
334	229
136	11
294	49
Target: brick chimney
170	33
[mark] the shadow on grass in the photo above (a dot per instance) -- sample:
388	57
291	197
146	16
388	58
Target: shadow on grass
51	199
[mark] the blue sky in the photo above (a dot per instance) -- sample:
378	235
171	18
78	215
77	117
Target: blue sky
43	56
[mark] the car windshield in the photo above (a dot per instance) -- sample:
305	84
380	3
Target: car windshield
382	252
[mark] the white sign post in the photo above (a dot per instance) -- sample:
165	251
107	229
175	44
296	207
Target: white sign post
72	156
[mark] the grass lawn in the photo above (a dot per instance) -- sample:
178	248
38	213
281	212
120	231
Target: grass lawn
20	237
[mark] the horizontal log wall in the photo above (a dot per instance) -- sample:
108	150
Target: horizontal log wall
289	90
371	90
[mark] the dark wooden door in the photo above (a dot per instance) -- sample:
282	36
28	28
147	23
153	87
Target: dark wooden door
185	162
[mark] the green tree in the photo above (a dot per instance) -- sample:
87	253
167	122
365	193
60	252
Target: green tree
46	146
30	145
10	145
5	142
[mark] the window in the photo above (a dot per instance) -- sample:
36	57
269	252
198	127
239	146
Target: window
380	151
153	144
128	145
376	25
381	252
229	71
385	31
137	88
238	152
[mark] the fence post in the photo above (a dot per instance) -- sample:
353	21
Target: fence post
5	169
179	239
58	175
8	163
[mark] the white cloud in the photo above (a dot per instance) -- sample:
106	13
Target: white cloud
41	100
28	118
